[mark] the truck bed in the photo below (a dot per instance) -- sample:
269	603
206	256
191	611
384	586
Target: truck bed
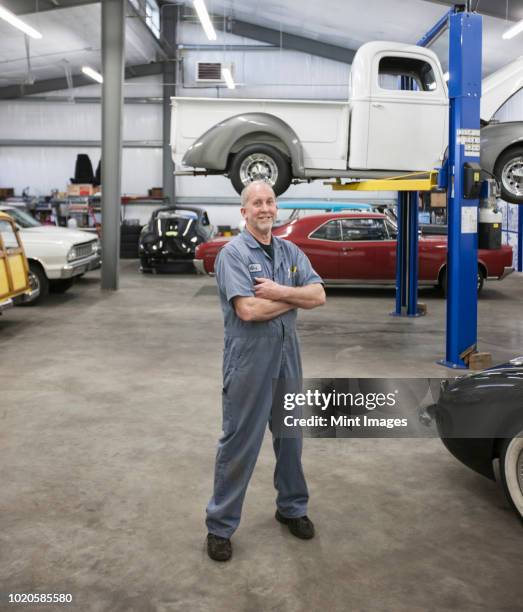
321	126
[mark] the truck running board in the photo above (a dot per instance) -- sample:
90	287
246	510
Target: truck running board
356	174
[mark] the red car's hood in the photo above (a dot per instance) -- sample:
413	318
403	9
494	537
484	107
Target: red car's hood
211	247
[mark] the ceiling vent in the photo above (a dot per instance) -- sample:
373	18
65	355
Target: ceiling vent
209	72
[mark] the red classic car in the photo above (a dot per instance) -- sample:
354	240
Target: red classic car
360	249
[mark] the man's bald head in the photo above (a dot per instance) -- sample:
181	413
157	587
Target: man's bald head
254	186
259	209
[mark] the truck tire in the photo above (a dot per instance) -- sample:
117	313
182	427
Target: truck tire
509	172
260	162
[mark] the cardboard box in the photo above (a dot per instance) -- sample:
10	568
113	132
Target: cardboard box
6	192
480	361
438	199
82	189
156	192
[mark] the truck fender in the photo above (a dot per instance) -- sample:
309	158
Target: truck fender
212	149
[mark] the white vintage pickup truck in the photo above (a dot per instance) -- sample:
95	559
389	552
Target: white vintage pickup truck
383	129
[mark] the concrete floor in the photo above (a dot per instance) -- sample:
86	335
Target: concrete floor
110	413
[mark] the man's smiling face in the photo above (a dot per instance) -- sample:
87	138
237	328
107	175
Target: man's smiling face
260	209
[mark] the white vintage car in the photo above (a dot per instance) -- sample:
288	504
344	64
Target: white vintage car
56	255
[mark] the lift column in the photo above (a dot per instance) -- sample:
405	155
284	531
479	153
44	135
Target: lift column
465	32
407	255
407	246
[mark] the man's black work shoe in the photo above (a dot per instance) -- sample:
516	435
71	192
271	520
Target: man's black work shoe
301	527
218	549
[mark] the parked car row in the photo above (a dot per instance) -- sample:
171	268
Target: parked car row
352	245
55	255
173	233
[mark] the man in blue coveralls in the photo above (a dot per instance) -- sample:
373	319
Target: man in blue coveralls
262	280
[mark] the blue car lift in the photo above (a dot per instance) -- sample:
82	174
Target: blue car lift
465	32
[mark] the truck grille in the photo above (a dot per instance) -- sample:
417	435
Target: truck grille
83	250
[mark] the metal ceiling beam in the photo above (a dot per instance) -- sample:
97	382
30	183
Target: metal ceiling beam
161	47
79	80
284	40
26	7
277	38
511	10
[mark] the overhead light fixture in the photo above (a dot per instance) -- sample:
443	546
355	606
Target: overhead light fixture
90	72
514	30
446	76
227	77
18	23
205	20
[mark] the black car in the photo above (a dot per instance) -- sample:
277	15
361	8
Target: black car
480	421
171	237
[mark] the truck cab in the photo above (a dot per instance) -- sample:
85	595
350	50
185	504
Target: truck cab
398	108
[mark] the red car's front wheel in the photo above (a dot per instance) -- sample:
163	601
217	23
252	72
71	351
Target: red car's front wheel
443	279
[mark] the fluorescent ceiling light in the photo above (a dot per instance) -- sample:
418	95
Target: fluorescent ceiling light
514	30
227	77
90	72
18	23
446	76
205	20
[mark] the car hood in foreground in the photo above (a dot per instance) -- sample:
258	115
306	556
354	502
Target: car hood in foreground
51	233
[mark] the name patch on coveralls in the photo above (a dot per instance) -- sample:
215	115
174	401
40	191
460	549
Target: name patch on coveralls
255	267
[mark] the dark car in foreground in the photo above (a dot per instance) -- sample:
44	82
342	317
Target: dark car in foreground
359	248
480	420
171	237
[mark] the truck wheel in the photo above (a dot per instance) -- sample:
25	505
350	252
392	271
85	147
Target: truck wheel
37	279
260	162
509	172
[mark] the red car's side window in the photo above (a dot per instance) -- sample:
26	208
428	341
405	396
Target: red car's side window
363	229
328	231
